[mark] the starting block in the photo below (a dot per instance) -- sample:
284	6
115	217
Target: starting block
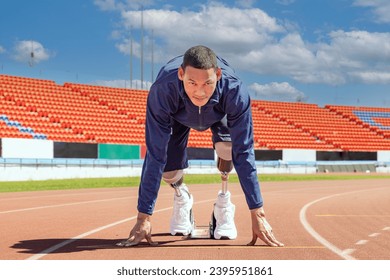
204	232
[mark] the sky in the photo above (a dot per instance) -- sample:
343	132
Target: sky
314	51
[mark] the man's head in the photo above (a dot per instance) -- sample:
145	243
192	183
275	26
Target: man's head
200	74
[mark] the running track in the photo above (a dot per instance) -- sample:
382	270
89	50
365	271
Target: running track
317	220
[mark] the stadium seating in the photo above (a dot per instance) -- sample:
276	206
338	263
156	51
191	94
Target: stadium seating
326	126
375	119
273	130
42	109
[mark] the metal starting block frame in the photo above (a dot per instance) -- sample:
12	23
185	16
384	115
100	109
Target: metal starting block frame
202	232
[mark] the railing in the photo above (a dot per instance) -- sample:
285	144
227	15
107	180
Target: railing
67	162
192	163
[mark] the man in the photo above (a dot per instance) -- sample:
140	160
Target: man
198	90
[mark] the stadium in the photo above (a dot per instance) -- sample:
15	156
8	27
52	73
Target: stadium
98	125
71	155
52	131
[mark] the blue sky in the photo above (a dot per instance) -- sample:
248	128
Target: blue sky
323	52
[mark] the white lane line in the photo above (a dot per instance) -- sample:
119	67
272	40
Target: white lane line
302	216
62	193
62	205
348	251
73	239
345	254
361	242
72	203
353	215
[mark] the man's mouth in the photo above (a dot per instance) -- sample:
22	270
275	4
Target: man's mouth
199	98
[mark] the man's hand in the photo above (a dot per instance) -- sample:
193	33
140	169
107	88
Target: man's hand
142	230
262	229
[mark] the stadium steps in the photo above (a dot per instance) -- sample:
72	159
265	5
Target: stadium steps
375	119
328	126
98	114
274	131
65	115
30	104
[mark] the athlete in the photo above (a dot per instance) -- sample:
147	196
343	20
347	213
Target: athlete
198	90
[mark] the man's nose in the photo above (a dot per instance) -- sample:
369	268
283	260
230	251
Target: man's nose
200	92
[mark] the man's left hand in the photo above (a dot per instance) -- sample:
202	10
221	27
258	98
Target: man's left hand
262	229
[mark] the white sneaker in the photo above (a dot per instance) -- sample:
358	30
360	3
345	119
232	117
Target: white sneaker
224	217
182	220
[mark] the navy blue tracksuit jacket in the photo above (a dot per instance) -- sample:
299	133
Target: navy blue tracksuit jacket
168	106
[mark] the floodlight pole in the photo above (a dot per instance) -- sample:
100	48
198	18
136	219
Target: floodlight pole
152	56
131	57
142	47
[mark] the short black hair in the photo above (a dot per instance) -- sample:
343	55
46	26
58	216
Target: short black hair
200	57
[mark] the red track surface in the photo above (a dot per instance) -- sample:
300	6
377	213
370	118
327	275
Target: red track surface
317	220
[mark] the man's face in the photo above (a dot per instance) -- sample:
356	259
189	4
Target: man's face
199	84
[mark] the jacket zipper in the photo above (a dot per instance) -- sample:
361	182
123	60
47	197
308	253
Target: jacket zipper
200	118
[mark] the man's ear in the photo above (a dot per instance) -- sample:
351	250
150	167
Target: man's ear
219	73
180	73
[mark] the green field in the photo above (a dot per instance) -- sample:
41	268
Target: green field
189	179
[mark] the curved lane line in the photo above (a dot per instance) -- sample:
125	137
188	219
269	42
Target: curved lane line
345	254
319	238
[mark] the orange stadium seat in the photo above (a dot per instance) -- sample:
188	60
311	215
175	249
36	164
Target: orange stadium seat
98	114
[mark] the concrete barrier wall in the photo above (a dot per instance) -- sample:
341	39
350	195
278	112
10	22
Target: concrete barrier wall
299	155
384	156
27	148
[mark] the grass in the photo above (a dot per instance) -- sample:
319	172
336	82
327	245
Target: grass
189	178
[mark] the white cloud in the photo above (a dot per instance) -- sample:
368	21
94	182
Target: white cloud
253	41
351	53
372	77
360	46
276	91
338	62
380	9
30	51
289	56
230	31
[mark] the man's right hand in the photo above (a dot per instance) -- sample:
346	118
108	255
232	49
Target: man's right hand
141	230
